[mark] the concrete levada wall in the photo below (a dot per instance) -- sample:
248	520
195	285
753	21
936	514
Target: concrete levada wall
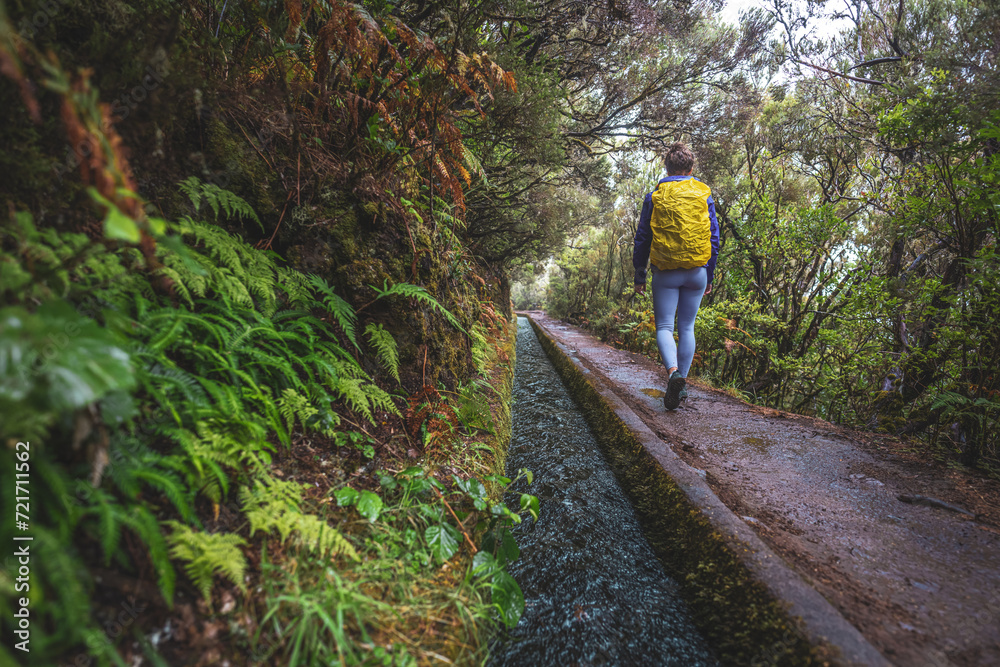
747	603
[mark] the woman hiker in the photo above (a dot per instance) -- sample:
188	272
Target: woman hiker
679	235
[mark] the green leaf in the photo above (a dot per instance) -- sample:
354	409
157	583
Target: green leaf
472	486
370	505
499	479
507	598
501	510
484	564
119	226
509	551
442	540
56	359
158	226
529	503
346	496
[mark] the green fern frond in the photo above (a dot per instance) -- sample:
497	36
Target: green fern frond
110	517
381	400
328	370
267	503
63	504
201	472
385	345
338	355
164	335
226	397
142	521
190	187
233	287
340	309
209	449
217	199
296	286
171	487
70	599
316	534
411	291
295	406
481	350
276	506
353	393
179	283
275	366
208	555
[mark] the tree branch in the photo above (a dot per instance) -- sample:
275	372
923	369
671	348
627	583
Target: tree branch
840	74
877	61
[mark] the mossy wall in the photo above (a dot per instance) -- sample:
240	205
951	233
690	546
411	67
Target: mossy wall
504	388
741	621
180	114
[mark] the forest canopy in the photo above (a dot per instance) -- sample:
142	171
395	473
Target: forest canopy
853	162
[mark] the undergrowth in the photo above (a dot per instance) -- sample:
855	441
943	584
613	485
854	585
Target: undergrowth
154	394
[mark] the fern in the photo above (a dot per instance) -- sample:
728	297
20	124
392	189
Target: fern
354	394
411	291
316	534
224	264
381	400
276	506
69	601
954	405
293	405
385	345
135	466
208	555
217	199
110	518
296	287
145	525
340	309
208	449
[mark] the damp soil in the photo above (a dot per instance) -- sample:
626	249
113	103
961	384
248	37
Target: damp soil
921	583
595	592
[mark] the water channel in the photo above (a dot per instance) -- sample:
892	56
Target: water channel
595	593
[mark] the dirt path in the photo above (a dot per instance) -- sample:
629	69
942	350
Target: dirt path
921	582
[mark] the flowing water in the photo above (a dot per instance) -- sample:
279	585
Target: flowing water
595	593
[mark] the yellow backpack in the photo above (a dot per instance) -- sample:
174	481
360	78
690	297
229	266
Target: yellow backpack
682	230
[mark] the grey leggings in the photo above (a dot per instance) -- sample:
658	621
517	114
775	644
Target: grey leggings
679	292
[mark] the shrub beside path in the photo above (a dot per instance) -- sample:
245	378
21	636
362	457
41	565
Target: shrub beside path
907	551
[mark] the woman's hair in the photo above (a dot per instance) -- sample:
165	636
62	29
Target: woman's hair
679	159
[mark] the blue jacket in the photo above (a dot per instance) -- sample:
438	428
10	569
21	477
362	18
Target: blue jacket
644	236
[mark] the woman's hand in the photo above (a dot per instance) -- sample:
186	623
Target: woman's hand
708	290
640	289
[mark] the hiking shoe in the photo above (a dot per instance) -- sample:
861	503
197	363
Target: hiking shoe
675	386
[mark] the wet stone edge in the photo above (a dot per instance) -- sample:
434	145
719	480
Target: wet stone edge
747	604
502	415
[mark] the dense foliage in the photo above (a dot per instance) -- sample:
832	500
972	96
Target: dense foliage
856	192
239	413
148	415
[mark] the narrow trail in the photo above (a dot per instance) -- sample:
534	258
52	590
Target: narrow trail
921	583
595	592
